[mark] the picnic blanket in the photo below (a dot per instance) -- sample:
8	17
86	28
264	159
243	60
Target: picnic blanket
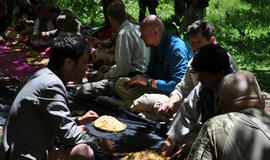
14	63
140	134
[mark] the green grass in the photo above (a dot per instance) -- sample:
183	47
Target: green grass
242	27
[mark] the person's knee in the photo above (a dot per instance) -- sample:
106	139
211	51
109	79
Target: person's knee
82	152
119	84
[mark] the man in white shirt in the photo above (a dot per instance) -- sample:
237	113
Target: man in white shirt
131	55
211	64
200	33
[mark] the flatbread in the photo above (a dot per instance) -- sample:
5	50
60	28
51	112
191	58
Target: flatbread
145	155
109	124
34	58
39	60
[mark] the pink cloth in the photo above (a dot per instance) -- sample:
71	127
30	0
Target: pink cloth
15	65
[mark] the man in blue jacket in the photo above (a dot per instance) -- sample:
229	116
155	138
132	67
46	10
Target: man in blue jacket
168	62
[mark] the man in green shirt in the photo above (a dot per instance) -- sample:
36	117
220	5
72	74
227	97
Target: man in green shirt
243	132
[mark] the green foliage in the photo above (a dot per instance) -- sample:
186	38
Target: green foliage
88	11
242	27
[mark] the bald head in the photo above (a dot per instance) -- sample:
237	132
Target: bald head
238	91
152	30
153	21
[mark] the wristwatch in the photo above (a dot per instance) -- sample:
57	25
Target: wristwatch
77	121
149	82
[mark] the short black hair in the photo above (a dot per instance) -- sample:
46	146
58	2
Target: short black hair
67	45
211	58
207	29
117	11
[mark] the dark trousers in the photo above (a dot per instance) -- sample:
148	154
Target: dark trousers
179	7
151	4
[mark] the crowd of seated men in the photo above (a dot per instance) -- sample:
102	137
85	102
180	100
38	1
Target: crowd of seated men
213	109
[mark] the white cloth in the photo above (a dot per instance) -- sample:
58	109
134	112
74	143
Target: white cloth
187	116
190	80
131	54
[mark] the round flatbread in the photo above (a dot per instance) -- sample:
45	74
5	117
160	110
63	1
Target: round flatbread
144	155
40	60
34	58
109	124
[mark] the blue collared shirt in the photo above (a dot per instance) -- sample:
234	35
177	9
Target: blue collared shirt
168	62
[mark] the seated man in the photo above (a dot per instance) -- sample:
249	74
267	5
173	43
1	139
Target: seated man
211	64
200	33
106	48
167	66
243	132
64	21
131	55
41	25
105	4
39	112
60	21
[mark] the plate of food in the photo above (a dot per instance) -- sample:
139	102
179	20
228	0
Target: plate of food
109	124
145	155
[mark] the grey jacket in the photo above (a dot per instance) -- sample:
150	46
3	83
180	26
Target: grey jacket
38	114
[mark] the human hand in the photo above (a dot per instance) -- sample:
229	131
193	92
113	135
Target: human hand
89	116
165	109
104	68
2	40
138	79
97	77
167	146
20	21
94	42
106	145
45	36
182	152
127	85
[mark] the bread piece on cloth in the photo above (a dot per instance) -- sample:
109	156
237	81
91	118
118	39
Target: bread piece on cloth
109	124
145	155
34	58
